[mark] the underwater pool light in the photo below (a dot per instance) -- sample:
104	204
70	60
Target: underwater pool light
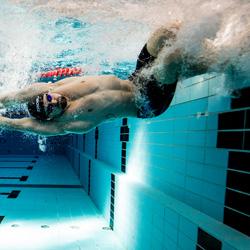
138	157
56	233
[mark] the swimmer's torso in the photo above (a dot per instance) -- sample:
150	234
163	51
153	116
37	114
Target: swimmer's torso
92	98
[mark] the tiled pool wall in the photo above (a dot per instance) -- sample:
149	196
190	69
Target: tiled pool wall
178	181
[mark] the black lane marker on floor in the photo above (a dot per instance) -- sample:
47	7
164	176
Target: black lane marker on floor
22	178
237	221
243	100
28	168
124	130
237	198
112	202
1	219
207	241
12	195
124	138
234	134
39	186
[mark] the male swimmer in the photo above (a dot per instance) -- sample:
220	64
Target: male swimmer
78	104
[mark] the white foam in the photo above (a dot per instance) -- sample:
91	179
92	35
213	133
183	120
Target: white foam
117	31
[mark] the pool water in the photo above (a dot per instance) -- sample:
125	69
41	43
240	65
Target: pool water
177	181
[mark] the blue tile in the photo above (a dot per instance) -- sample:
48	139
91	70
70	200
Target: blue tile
171	217
212	122
218	157
214	192
181	110
80	141
159	138
171	232
226	246
164	126
170	189
182	95
186	243
211	139
181	124
196	138
185	83
158	216
157	239
196	106
194	185
218	103
179	165
175	178
213	209
84	172
197	123
180	152
109	145
199	90
195	154
169	244
215	174
217	85
194	169
194	200
188	228
90	143
180	138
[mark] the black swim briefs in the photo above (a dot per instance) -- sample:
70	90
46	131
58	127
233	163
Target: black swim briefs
152	97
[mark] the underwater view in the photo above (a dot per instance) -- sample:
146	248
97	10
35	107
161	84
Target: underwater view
124	124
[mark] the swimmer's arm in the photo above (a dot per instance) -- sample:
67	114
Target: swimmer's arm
23	95
79	127
46	128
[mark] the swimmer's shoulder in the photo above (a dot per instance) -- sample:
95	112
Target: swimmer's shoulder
103	81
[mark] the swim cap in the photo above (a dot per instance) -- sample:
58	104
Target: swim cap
36	108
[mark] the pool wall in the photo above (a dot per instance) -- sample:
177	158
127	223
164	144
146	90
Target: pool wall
178	181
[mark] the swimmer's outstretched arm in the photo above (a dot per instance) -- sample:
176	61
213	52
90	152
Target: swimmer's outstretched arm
23	95
31	125
46	128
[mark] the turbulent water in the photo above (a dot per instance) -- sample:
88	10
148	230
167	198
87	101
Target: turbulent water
106	36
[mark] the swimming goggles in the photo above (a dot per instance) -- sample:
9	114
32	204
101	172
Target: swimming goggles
50	106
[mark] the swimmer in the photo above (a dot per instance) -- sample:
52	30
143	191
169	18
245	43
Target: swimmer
78	104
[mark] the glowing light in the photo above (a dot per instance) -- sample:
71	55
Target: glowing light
36	234
138	158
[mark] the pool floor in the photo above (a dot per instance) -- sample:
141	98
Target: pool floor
49	210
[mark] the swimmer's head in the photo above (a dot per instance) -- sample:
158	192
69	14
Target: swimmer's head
47	106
